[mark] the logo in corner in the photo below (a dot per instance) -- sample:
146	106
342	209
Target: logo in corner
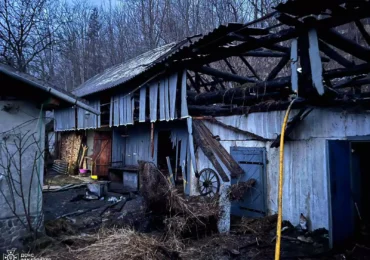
11	255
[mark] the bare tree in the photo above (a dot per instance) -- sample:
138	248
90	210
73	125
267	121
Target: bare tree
20	175
25	31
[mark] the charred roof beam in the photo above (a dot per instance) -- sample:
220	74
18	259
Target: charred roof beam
224	75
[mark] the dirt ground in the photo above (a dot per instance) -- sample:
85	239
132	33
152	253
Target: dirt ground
130	228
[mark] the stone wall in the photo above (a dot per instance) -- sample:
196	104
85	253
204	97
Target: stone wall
14	231
20	119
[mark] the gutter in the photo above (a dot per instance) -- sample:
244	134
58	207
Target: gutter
52	91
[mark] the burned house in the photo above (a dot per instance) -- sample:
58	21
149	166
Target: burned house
208	111
23	102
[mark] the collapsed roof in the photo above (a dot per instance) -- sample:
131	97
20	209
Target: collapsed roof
300	48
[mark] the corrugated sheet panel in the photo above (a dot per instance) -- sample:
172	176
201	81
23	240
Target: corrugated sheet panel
118	146
123	110
172	94
123	72
64	119
153	92
162	103
85	119
184	103
138	145
142	108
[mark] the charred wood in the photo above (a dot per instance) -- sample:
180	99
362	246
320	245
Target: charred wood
363	31
207	150
264	54
224	75
278	68
335	55
249	67
339	41
210	142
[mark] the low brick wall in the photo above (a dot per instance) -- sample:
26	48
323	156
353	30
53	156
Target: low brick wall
13	232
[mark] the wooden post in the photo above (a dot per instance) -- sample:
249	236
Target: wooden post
152	139
293	64
315	61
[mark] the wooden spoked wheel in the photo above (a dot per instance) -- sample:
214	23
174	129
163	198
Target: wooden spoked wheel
208	182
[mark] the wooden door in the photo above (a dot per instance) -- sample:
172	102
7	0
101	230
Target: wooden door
252	161
102	153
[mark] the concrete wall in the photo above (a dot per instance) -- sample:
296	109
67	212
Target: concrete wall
305	163
22	120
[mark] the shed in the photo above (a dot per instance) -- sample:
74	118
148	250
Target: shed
23	102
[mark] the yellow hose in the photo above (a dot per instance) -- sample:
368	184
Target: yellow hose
281	175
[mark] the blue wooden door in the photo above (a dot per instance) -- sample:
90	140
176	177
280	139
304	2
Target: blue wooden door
253	162
342	206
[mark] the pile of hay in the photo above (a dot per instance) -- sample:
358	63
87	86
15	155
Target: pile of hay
125	244
111	244
237	190
183	216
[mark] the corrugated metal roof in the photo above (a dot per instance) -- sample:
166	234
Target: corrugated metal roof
31	80
38	86
124	72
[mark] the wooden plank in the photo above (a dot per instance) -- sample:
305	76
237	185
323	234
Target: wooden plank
218	149
363	31
152	140
339	41
189	122
200	141
222	74
315	61
283	61
294	65
334	55
250	67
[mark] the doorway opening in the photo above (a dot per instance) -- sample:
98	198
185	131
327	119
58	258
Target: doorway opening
165	149
349	173
361	190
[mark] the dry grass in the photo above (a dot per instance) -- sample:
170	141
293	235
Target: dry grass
111	244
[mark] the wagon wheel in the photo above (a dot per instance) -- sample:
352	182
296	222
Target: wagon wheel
208	182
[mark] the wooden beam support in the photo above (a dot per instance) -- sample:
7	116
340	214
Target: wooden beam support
193	83
346	72
294	64
335	55
339	41
278	68
230	66
249	66
214	78
351	83
234	129
210	142
224	75
208	152
315	61
363	31
264	54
